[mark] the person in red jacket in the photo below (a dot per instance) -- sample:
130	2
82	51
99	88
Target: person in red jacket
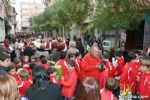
26	64
25	82
78	67
51	71
119	63
62	62
91	63
129	74
144	80
108	65
69	81
44	63
107	92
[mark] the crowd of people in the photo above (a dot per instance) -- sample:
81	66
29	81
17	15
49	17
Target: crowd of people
28	71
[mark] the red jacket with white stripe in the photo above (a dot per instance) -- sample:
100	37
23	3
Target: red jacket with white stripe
69	83
120	66
103	78
23	86
89	66
110	67
128	76
144	86
79	70
107	95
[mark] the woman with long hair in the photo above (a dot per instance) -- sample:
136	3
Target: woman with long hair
88	90
8	87
42	88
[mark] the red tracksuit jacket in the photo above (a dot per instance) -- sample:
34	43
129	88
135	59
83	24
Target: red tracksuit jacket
89	66
26	66
107	95
23	86
120	66
103	78
63	64
78	67
69	84
110	67
144	86
53	79
16	76
128	76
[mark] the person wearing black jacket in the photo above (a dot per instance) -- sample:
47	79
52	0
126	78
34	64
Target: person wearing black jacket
42	88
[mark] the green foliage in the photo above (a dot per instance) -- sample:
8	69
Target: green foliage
116	15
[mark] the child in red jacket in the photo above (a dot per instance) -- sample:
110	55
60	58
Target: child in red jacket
25	82
78	67
26	64
129	74
107	92
119	63
108	65
51	74
144	80
69	81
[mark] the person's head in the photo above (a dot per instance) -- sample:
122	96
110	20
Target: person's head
4	57
145	66
78	55
106	55
18	62
88	90
40	78
71	56
44	60
118	54
72	44
25	59
94	51
51	70
131	56
32	65
111	84
41	57
62	55
8	87
23	74
71	64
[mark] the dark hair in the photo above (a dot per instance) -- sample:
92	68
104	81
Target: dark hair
130	56
72	63
41	57
111	84
51	70
88	90
70	55
40	78
44	60
32	65
118	54
77	54
62	55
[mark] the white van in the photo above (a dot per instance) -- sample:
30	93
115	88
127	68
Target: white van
107	44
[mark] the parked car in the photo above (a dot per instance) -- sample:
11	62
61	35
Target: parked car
107	44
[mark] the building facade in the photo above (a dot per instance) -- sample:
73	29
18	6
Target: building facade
7	19
28	9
